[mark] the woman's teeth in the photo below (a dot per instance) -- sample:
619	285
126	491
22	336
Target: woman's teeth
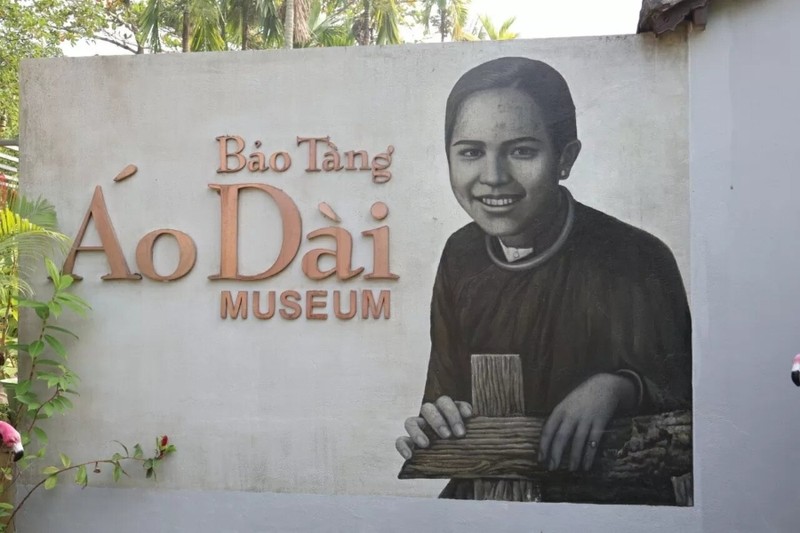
497	202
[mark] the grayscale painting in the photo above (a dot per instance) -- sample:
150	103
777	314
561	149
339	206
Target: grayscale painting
560	364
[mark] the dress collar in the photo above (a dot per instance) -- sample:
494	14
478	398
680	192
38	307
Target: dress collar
534	260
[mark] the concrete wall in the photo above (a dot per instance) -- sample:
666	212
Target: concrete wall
744	75
742	78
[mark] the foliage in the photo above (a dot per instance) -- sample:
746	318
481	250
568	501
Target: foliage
329	27
42	385
161	25
35	28
43	390
485	28
27	235
448	16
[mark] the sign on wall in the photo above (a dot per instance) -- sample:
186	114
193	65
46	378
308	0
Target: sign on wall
454	271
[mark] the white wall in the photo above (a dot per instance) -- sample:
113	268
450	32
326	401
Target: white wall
303	406
743	74
744	79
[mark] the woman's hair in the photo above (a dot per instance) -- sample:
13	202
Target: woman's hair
538	80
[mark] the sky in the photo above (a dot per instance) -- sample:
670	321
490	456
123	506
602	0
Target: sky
534	19
563	18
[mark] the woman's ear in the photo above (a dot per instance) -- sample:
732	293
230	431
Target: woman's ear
568	156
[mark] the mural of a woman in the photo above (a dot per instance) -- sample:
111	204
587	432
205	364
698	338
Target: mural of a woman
596	308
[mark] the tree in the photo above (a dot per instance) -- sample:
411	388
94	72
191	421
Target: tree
488	29
449	17
196	25
288	24
329	25
35	29
378	21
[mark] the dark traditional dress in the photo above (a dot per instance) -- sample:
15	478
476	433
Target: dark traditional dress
610	300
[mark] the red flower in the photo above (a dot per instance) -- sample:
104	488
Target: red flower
164	441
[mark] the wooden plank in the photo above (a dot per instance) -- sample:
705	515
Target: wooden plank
639	448
497	385
497	391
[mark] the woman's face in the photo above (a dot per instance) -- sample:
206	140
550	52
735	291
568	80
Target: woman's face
503	165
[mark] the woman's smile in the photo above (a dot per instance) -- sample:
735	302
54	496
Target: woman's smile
503	164
497	203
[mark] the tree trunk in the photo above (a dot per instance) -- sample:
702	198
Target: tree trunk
245	24
288	25
185	34
361	27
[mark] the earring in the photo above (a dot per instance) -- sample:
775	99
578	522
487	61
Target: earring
563	173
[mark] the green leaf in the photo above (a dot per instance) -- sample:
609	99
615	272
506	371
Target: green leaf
41	436
36	348
66	403
61	330
21	387
50	482
52	270
81	477
42	312
31	304
48	362
117	472
50	470
17	346
66	461
56	345
64	283
27	398
7	506
54	308
137	452
77	304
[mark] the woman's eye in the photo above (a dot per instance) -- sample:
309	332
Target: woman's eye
470	153
524	151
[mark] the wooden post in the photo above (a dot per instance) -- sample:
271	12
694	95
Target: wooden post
497	391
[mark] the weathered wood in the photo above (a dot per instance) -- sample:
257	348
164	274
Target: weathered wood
631	449
497	385
644	460
497	391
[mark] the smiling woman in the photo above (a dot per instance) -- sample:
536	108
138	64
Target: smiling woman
594	308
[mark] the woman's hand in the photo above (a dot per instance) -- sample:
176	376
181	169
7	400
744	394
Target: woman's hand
581	418
445	416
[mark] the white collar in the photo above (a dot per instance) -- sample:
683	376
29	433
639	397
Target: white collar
515	254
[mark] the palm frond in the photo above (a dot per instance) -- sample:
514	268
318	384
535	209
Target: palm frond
387	17
505	32
39	211
207	23
23	245
150	24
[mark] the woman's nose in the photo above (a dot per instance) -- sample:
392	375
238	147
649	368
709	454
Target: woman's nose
495	172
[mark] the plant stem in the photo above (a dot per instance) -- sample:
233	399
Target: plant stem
35	417
61	471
